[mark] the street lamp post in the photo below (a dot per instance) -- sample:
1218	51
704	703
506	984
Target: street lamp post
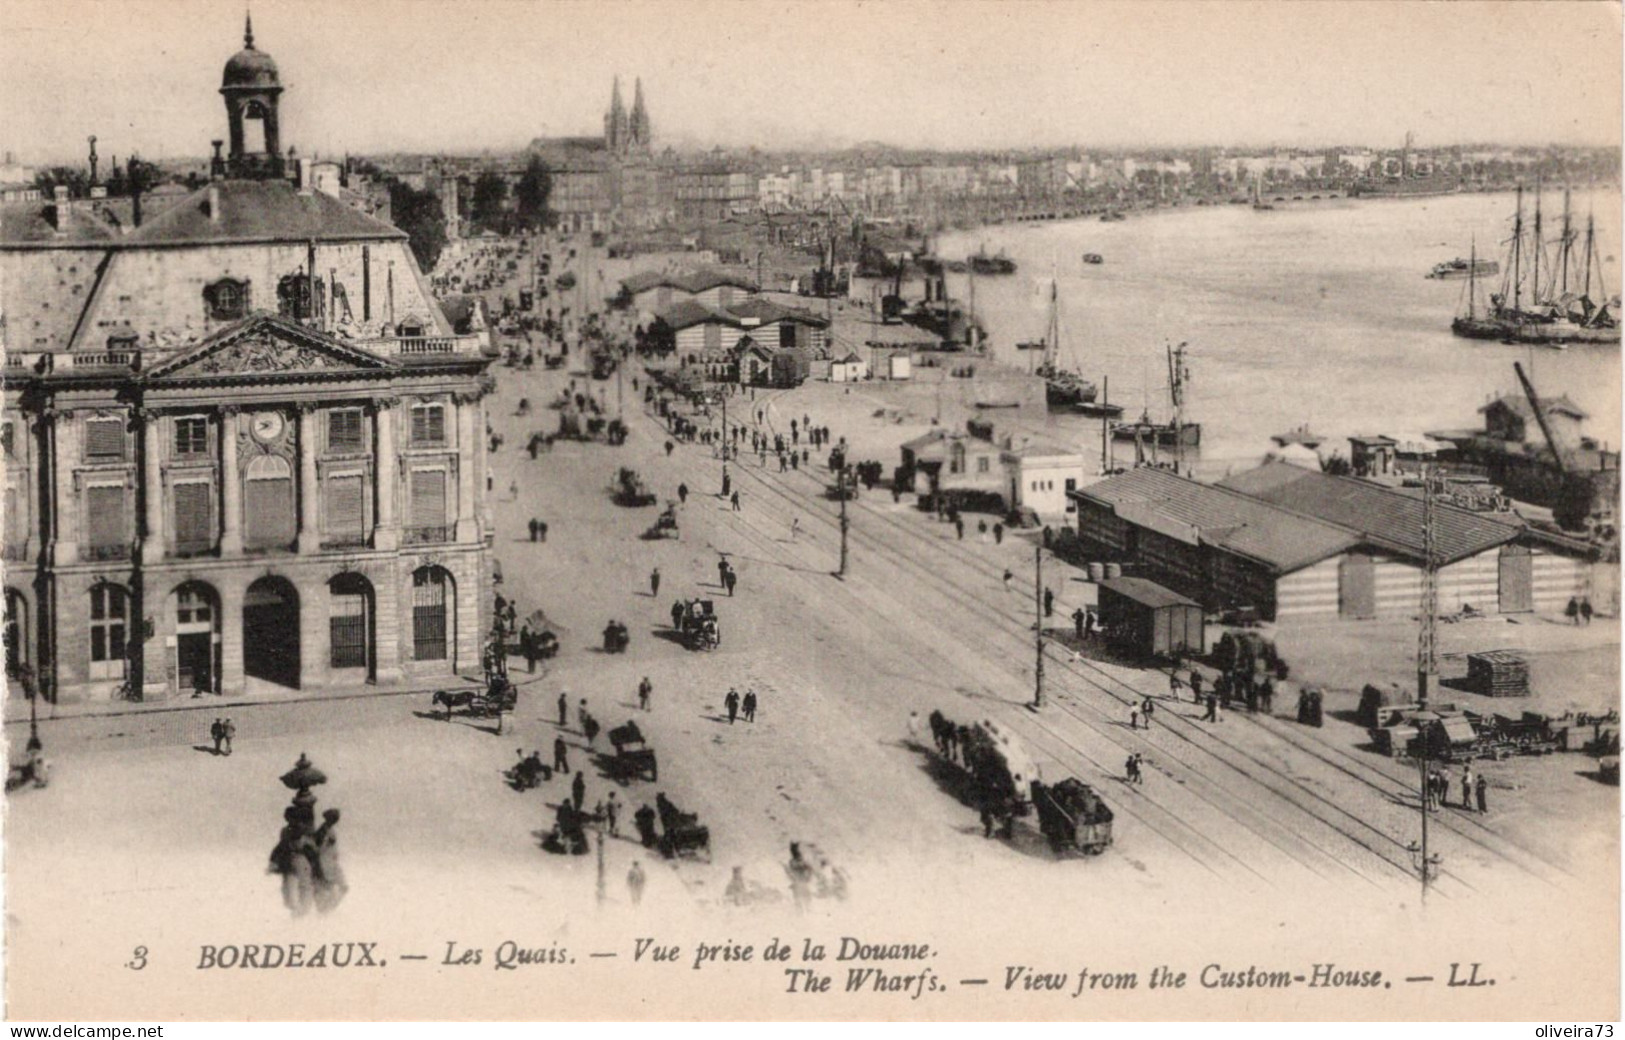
1038	625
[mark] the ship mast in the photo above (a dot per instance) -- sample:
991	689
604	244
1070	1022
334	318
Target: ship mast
1568	242
1534	279
1517	243
1472	280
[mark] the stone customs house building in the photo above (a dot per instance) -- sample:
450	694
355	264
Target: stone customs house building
244	450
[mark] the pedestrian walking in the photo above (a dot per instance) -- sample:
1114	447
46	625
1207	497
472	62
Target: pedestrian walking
749	705
581	712
635	882
1049	603
1134	716
561	758
1007	577
669	446
533	528
1139	768
727	485
729	580
564	707
1174	685
1444	788
1147	709
1212	709
959	528
987	821
228	732
1131	769
1480	787
735	501
1467	789
541	530
644	689
1196	685
513	490
981	530
732	703
795	528
217	733
1572	611
578	790
682	494
782	462
1078	618
676	614
654	582
998	534
1585	609
612	814
529	646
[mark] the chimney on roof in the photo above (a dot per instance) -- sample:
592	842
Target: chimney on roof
59	209
217	165
303	176
214	203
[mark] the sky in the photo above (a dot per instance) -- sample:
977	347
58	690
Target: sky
466	75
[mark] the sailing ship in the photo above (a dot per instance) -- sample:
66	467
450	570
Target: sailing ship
1175	433
1553	312
1064	388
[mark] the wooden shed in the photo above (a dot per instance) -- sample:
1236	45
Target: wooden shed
1149	620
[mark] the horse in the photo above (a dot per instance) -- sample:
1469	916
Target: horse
941	730
453	699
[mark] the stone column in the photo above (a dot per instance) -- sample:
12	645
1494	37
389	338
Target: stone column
231	591
310	535
482	467
386	469
152	542
468	443
231	487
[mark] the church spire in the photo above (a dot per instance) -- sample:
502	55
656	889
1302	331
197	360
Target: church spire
248	30
640	118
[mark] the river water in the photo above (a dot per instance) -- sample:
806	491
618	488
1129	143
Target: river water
1315	312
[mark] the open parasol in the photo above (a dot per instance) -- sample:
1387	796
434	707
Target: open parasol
540	622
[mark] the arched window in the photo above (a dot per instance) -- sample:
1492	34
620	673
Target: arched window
268	503
17	648
109	617
433	598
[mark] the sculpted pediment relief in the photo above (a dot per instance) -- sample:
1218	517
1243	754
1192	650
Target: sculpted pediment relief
267	346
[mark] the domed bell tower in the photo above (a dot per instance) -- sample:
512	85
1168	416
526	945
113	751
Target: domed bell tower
251	88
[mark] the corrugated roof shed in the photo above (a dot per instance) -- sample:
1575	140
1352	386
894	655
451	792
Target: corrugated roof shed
1198	513
1387	518
687	313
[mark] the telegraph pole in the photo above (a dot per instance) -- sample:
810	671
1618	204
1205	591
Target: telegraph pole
840	486
1427	661
1038	625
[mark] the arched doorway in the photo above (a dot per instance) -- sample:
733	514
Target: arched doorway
19	657
434	603
350	626
196	608
271	632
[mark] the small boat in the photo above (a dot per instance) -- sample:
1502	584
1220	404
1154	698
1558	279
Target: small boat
1098	410
1460	268
998	404
1033	344
1093	258
1111	215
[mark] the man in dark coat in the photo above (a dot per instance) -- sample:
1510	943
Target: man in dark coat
561	759
228	731
654	582
676	616
749	705
527	648
644	820
644	689
732	703
682	494
578	790
729	580
217	733
1078	618
1049	603
1480	788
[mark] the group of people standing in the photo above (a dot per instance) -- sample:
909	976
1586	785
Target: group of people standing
1474	789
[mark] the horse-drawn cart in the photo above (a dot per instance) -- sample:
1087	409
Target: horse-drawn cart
634	759
698	625
682	833
631	490
497	699
1073	816
665	523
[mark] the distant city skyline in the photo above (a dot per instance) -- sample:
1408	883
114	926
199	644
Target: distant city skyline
390	75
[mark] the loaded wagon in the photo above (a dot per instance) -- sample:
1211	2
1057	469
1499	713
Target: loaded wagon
698	625
1073	817
634	758
630	490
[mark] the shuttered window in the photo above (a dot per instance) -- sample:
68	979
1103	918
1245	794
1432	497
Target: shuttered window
104	508
268	503
344	431
345	495
194	517
428	499
428	424
104	440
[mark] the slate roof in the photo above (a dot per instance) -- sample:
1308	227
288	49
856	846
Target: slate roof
260	211
1206	514
766	312
1385	517
89	221
688	281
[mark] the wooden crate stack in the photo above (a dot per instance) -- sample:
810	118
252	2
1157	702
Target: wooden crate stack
1499	673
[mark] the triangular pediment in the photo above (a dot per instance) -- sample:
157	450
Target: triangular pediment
264	345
